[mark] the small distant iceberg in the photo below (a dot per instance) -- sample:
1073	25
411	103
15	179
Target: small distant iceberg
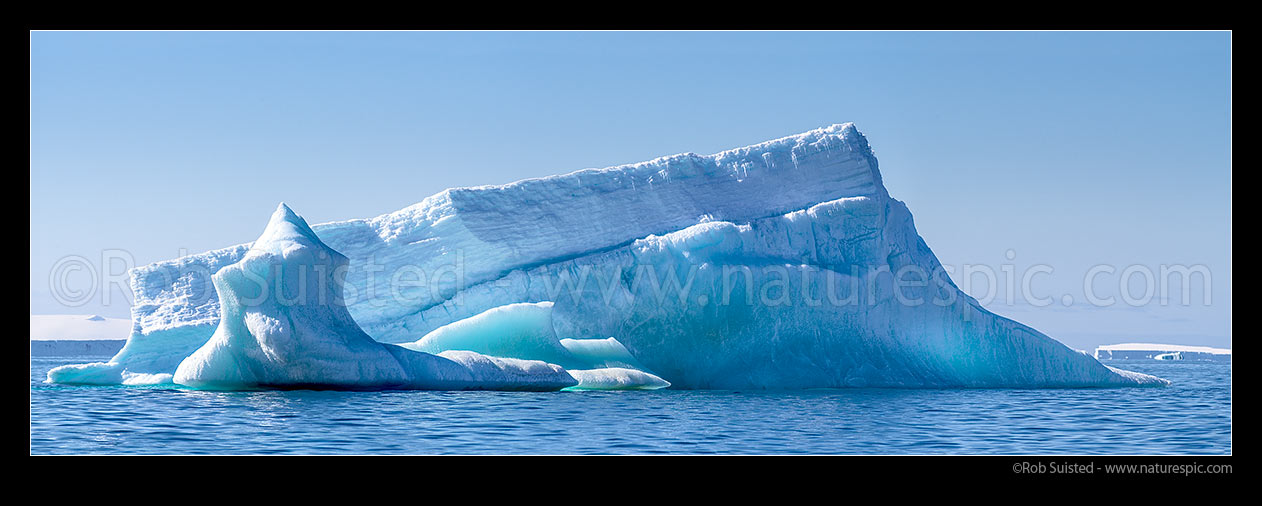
1163	352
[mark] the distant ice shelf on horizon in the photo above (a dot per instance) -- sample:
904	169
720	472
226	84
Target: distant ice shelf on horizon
1164	352
78	327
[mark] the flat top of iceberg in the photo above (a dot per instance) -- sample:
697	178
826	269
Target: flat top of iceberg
1163	347
827	140
843	129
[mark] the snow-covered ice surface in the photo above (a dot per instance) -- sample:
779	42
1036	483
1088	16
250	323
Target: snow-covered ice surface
769	266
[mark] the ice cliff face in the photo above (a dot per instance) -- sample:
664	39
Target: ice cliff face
771	266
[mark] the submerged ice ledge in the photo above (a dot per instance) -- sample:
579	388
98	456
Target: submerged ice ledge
798	213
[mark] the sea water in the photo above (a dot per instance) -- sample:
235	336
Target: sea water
1192	416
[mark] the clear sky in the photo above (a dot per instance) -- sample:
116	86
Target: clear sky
1065	149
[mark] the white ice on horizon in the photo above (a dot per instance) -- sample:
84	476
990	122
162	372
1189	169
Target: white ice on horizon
78	327
1164	352
1166	348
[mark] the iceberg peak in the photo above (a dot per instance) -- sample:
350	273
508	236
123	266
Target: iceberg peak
286	225
284	212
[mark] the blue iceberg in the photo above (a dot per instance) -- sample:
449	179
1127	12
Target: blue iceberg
780	265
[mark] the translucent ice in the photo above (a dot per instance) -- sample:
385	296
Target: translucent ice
524	331
515	330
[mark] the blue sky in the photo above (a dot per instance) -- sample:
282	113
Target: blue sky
1070	149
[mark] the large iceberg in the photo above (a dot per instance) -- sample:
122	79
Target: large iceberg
780	265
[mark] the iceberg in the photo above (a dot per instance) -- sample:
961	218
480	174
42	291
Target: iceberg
784	264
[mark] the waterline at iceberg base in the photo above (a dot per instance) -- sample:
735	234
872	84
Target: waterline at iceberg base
770	266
